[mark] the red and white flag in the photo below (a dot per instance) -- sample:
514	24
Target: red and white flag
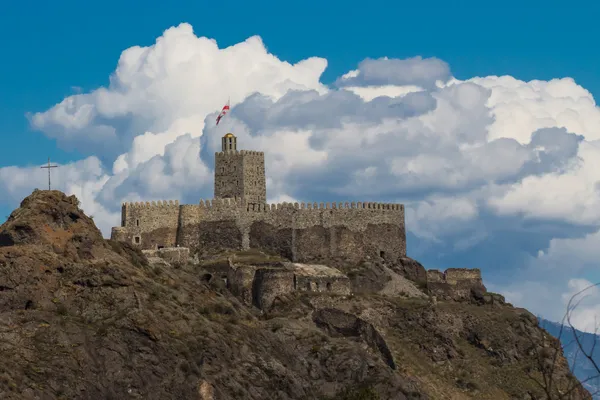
224	111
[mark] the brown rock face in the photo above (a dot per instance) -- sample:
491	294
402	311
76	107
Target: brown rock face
86	318
337	322
411	269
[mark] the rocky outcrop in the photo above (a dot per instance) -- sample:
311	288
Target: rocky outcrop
49	218
337	322
86	318
412	270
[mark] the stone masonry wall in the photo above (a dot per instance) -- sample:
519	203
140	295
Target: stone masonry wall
270	283
241	174
255	184
239	282
321	284
304	233
149	225
311	233
455	283
172	255
308	233
319	278
213	227
456	275
435	276
229	178
188	228
259	286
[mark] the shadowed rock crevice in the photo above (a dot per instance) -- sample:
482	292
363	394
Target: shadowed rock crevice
339	323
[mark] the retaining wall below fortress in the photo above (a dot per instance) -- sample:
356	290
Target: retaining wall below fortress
309	233
172	255
260	286
455	283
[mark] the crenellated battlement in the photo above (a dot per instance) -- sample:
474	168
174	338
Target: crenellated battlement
238	202
326	206
238	153
150	204
221	203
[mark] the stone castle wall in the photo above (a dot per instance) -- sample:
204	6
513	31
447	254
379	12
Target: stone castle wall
312	233
301	232
149	224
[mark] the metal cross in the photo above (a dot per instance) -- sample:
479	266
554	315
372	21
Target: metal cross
49	166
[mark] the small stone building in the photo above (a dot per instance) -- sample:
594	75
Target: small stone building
261	285
319	278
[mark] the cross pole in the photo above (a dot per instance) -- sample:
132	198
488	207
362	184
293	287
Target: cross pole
49	166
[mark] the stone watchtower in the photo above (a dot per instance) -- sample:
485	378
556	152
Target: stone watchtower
239	174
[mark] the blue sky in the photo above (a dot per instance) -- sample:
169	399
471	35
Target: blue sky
56	50
51	47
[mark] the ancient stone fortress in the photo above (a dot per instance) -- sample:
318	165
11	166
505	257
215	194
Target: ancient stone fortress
238	218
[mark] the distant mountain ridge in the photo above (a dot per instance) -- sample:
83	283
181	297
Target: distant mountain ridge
582	368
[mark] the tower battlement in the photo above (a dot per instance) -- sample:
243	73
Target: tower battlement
238	153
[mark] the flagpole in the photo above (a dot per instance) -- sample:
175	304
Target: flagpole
228	105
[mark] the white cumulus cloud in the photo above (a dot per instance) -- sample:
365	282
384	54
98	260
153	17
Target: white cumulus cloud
171	86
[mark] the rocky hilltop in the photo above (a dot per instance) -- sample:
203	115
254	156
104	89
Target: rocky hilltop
82	317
